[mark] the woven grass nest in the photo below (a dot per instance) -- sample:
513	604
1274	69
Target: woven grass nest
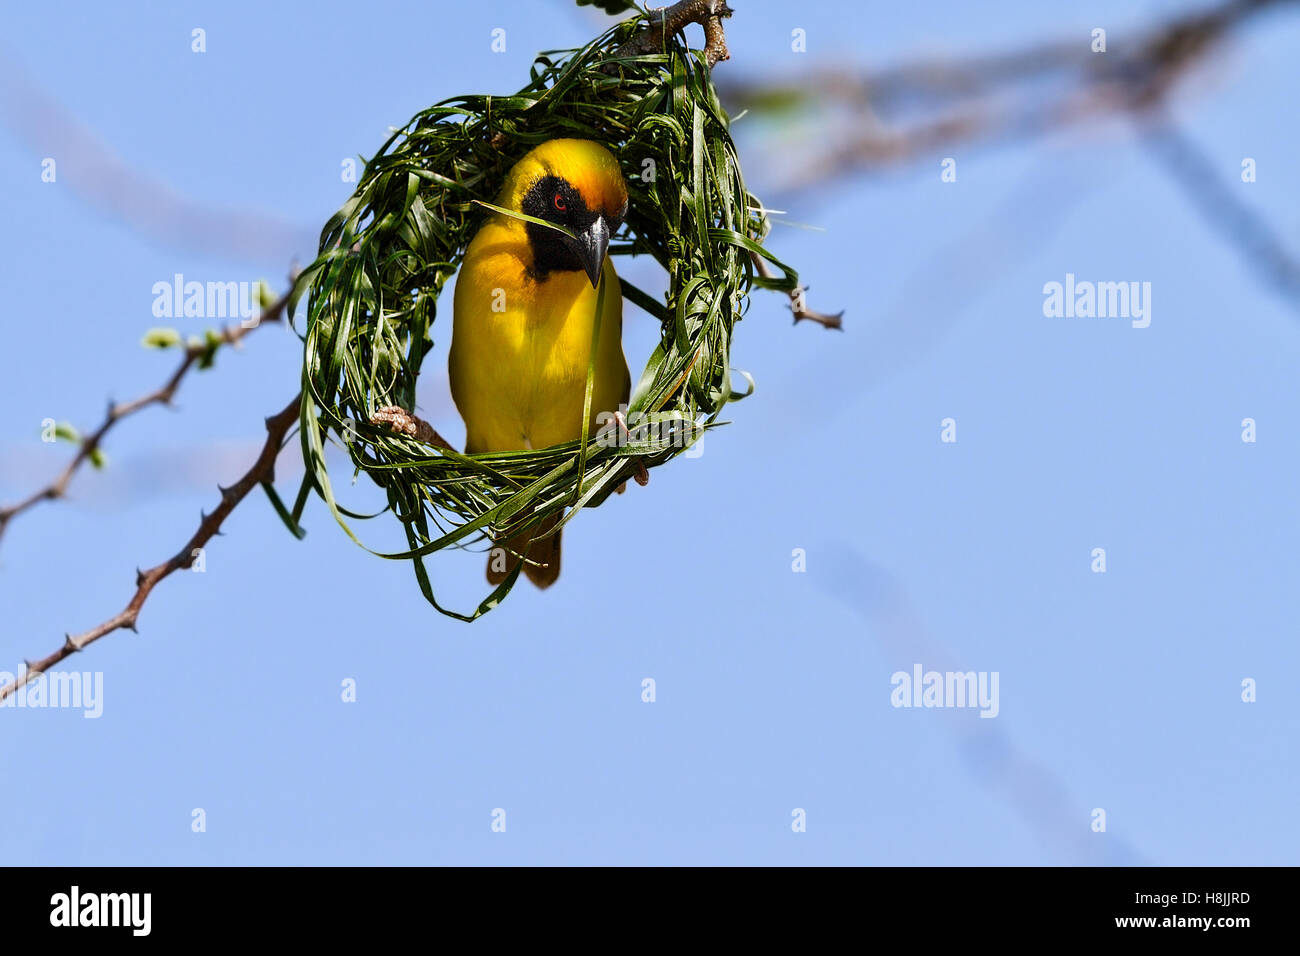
385	256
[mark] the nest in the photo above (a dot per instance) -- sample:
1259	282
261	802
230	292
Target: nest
385	256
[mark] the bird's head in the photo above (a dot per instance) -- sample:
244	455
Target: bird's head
577	184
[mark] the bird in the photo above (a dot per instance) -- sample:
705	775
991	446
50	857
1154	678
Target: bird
523	317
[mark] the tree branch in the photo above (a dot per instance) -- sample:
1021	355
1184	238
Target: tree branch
230	335
1262	248
666	21
263	470
797	304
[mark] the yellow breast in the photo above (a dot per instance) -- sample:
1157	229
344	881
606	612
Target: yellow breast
520	347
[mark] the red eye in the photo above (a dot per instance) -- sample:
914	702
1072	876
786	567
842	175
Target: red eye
559	203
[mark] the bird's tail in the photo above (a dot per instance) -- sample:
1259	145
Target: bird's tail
542	566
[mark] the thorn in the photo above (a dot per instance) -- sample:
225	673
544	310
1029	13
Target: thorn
70	645
139	578
226	493
30	670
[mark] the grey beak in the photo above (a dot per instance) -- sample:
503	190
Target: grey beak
590	248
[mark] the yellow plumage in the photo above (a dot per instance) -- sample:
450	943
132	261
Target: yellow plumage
523	320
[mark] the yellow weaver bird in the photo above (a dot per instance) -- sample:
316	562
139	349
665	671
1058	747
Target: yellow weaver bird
524	313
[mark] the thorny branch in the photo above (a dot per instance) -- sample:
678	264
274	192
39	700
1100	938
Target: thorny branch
797	304
263	470
666	21
230	335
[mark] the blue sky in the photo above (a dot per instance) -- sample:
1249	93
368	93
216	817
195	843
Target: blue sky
1119	691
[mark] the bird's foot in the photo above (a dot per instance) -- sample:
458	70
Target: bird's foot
622	425
642	475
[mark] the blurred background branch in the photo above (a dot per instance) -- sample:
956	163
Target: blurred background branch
853	123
